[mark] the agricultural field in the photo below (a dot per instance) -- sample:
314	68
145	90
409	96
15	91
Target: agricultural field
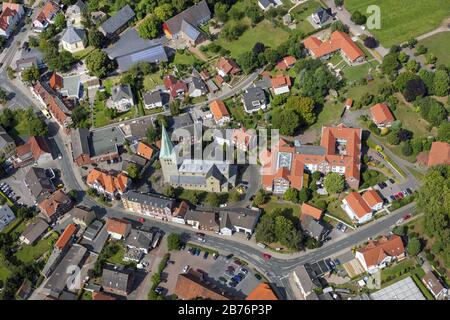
403	19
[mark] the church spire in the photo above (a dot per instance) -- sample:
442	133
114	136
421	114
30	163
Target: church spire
166	145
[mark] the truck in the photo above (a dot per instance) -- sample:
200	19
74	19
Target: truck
156	239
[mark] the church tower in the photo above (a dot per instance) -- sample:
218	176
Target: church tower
167	157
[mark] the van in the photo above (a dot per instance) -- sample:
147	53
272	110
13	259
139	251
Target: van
262	245
46	114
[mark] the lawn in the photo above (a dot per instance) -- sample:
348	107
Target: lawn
355	73
184	58
102	118
151	81
30	253
439	45
80	55
117	258
264	32
275	203
302	12
328	115
356	92
403	19
4	271
334	209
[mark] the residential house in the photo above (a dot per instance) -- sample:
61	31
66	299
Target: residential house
227	67
381	115
244	140
378	254
192	285
74	39
219	112
311	222
96	146
122	98
36	150
10	17
7	144
286	63
339	151
435	286
144	150
66	237
28	58
134	160
55	205
117	23
82	216
239	220
439	154
267	4
46	16
304	282
322	16
93	230
139	240
176	88
131	49
107	184
74	13
254	99
263	291
152	205
33	231
118	228
197	87
6	216
117	280
38	181
179	213
281	84
338	42
203	220
156	99
68	87
185	25
361	207
58	108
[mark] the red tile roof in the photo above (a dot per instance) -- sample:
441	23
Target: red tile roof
119	226
144	150
228	66
109	183
281	81
56	81
102	296
309	210
338	41
357	204
218	109
190	286
9	10
50	8
381	114
65	237
53	204
262	292
439	154
286	63
376	251
175	86
36	145
372	198
349	102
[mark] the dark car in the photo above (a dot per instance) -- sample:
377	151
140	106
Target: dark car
257	276
191	251
215	256
392	198
409	190
222	279
232	284
183	246
197	252
244	271
237	278
159	290
392	181
236	261
199	234
205	256
229	256
241	275
231	268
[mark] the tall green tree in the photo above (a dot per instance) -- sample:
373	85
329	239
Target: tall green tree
334	183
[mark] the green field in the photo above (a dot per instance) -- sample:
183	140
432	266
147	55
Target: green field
403	19
264	32
275	203
4	271
372	87
439	45
184	58
329	114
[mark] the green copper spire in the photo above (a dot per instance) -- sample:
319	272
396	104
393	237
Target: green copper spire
166	146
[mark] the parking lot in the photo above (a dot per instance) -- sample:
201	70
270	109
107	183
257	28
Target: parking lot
215	271
392	189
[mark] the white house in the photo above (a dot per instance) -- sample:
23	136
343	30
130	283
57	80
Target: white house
243	221
74	13
118	228
360	208
281	84
267	4
6	216
73	39
122	98
9	17
156	99
46	16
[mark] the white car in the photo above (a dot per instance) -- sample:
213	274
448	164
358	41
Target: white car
201	239
185	269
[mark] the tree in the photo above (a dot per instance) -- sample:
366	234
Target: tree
265	230
358	18
338	3
149	28
232	31
96	38
403	78
248	61
414	88
444	132
390	64
152	134
3	96
260	198
291	195
441	83
212	199
169	192
221	11
428	78
304	107
406	149
175	107
60	21
412	43
31	75
414	246
404	134
164	11
402	57
80	116
370	42
304	195
316	83
99	64
334	183
412	65
431	110
339	26
234	196
421	49
133	171
399	230
287	121
393	139
321	204
173	241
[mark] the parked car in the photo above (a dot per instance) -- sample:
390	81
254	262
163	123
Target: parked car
237	278
244	271
159	290
183	246
240	274
199	234
201	239
186	268
392	181
231	268
236	261
229	273
267	256
205	256
232	284
392	198
406	216
262	245
215	256
197	252
141	220
409	190
229	256
222	279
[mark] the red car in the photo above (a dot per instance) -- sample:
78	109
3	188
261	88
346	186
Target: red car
267	256
400	195
141	220
406	216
